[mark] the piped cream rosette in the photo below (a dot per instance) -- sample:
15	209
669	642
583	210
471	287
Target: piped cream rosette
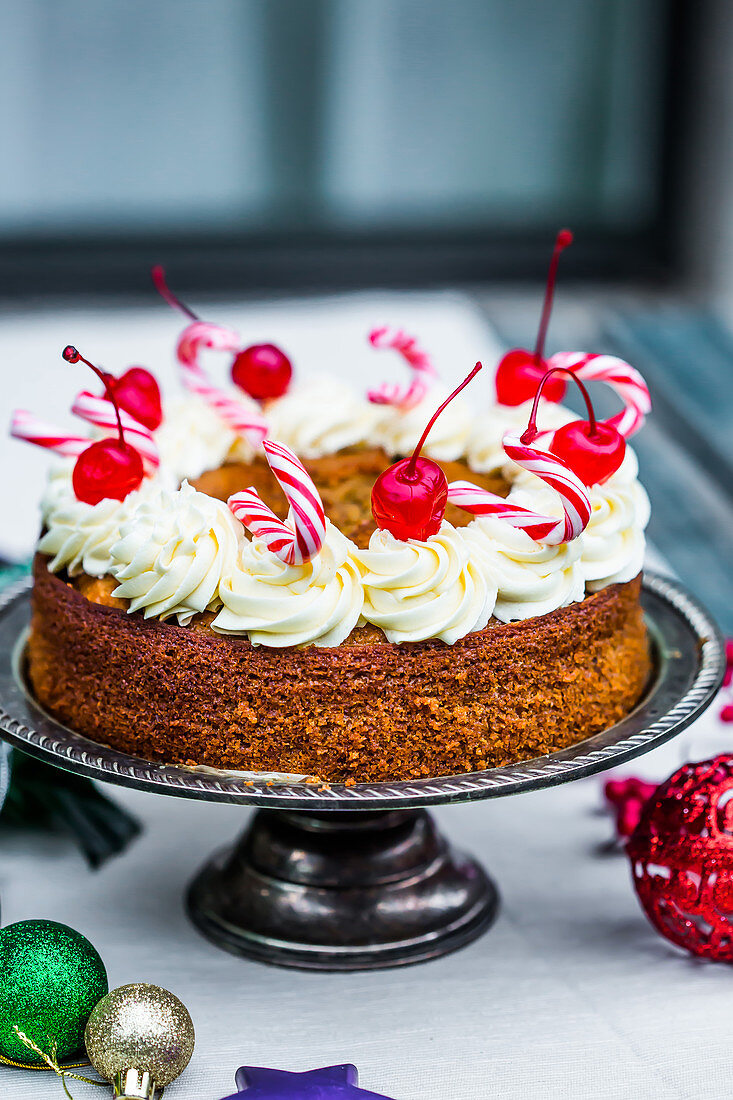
79	537
416	590
172	552
316	603
612	546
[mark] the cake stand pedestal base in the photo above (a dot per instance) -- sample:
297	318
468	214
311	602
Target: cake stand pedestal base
342	891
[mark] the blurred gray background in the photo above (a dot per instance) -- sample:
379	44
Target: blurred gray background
282	149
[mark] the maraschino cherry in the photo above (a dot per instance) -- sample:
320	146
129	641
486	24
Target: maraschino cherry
263	371
409	498
520	371
591	449
138	393
109	467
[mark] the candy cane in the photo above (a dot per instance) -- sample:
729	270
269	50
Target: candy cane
242	419
203	334
620	376
100	412
294	544
419	362
576	503
24	425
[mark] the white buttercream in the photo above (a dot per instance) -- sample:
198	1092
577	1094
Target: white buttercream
433	589
172	552
399	432
531	578
485	451
612	546
317	603
613	543
321	417
79	536
193	439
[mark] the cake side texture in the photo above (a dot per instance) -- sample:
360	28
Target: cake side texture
366	710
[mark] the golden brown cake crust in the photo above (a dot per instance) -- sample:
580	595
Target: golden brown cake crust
366	710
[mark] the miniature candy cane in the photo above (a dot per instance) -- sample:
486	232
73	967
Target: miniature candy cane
576	503
620	376
101	412
244	419
203	334
419	362
294	544
200	334
24	425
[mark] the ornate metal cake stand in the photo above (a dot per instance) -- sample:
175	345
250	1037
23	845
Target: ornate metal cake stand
346	878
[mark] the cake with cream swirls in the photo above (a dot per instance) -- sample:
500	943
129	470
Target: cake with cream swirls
485	610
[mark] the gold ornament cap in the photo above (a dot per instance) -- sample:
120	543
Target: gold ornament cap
139	1037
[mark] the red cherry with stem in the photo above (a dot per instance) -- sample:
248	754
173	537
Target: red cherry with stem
109	467
262	371
138	393
593	451
520	371
409	498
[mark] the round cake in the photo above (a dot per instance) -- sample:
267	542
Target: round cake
314	582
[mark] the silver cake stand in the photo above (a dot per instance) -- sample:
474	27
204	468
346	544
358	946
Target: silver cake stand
330	877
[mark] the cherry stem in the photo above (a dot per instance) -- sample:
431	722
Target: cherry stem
531	430
563	239
158	276
409	473
71	355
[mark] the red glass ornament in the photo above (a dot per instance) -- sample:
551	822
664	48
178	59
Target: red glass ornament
262	371
109	467
520	371
593	451
627	798
681	857
138	393
409	498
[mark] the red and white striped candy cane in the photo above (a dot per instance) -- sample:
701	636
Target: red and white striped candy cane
203	334
419	362
294	544
24	425
101	412
620	376
244	419
576	503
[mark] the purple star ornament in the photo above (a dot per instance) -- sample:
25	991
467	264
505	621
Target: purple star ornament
330	1083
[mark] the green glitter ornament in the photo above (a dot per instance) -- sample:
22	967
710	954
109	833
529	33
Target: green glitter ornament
50	980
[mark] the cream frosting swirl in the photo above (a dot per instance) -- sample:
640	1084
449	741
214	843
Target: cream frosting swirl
322	416
173	550
416	590
399	430
613	543
79	536
531	578
192	439
278	605
485	451
612	546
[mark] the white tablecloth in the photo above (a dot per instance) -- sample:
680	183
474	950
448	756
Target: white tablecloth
571	994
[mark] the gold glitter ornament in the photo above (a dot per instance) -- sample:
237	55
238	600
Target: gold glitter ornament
139	1038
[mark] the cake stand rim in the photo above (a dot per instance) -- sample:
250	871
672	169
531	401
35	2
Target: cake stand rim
676	696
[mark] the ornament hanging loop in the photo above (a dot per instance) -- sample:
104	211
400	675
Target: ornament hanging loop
134	1084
